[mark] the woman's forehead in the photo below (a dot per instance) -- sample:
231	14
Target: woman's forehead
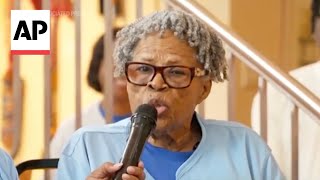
167	40
167	48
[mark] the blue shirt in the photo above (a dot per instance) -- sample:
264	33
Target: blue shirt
7	169
227	151
162	163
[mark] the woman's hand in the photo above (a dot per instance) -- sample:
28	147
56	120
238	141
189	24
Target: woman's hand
108	170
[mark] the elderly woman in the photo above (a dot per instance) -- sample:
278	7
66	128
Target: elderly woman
170	60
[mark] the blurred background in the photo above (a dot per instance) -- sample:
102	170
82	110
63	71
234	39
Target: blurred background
278	29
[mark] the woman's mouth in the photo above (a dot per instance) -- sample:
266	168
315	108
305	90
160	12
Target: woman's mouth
160	106
160	109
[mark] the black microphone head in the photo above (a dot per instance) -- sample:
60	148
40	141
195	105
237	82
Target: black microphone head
147	110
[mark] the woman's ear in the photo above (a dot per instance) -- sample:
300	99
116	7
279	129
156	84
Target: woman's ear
206	88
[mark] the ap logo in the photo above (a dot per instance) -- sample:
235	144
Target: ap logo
30	32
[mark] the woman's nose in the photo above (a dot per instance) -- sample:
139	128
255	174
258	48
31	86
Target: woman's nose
158	83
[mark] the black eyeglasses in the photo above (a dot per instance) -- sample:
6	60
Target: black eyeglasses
174	76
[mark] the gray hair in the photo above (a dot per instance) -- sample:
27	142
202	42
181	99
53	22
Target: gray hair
209	49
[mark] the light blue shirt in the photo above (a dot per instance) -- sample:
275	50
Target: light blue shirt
7	169
227	151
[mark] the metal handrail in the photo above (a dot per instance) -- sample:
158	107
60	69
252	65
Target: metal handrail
300	95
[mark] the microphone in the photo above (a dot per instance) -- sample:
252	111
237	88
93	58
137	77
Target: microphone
143	121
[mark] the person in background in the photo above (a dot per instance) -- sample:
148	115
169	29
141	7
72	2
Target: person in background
279	117
8	170
171	60
95	113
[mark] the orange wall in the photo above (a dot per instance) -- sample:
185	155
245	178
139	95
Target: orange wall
274	28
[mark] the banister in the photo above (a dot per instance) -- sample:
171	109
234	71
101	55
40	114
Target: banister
300	95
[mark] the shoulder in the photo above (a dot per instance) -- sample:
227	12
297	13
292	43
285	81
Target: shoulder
236	134
5	157
308	75
236	142
306	71
89	113
92	115
92	107
231	126
89	116
7	167
67	126
90	134
91	146
64	131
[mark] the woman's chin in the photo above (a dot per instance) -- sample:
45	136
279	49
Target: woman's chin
161	125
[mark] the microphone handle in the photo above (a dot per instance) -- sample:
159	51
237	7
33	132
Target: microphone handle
137	138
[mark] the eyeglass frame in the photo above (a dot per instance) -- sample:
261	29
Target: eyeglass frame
195	72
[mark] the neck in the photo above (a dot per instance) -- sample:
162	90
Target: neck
183	139
120	108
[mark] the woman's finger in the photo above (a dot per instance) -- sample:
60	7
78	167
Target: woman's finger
136	171
106	170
